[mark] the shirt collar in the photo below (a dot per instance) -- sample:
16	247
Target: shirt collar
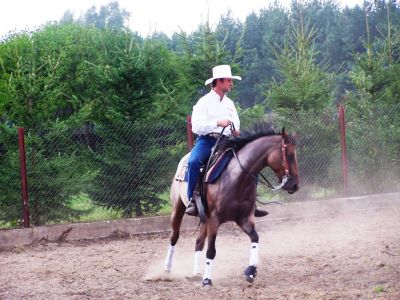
216	95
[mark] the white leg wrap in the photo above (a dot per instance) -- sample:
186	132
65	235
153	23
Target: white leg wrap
207	271
168	260
253	255
196	267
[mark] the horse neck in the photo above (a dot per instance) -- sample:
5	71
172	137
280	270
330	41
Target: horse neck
254	155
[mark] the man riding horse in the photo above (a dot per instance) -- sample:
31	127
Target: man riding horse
211	114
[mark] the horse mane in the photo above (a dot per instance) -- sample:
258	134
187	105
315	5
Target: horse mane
258	130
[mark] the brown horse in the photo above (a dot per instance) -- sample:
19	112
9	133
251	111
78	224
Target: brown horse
232	197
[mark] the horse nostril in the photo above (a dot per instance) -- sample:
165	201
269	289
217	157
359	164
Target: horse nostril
295	187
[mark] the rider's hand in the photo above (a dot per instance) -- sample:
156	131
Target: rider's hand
236	133
224	123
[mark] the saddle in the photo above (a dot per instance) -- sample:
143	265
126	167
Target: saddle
218	163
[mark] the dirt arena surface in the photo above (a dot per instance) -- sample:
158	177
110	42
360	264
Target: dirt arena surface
349	252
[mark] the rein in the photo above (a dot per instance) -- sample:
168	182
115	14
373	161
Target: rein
217	143
214	148
266	182
203	192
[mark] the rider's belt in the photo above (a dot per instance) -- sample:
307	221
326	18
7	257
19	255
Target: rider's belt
214	135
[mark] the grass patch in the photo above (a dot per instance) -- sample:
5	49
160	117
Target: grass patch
379	289
89	211
166	209
8	225
92	212
318	193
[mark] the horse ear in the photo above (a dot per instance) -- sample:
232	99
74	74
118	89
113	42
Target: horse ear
284	134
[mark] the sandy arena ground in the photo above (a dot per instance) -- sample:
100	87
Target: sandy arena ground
350	252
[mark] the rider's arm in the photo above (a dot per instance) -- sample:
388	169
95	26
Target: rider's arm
201	124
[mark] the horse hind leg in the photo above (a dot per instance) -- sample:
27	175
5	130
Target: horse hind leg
249	228
177	214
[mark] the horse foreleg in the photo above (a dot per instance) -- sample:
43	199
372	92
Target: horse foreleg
200	241
178	212
249	228
212	229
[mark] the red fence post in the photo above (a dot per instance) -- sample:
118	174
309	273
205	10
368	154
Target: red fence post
189	132
24	181
345	167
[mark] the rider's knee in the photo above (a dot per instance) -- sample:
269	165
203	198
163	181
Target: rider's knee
193	161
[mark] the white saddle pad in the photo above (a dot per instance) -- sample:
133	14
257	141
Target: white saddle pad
182	168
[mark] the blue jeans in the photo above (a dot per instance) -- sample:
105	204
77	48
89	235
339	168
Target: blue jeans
199	155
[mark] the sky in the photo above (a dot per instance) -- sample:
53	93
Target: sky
146	16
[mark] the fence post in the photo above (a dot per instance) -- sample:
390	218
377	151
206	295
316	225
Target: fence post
189	132
345	167
24	181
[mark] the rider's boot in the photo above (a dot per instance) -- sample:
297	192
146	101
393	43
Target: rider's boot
191	208
259	212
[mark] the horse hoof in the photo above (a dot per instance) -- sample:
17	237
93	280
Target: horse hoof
207	282
250	273
249	278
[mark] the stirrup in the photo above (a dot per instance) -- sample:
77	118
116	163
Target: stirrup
191	209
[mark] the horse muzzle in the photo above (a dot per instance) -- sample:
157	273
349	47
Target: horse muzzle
291	186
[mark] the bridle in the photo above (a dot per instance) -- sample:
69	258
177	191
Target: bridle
266	182
284	158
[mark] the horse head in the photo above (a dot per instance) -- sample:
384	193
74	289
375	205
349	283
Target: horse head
283	161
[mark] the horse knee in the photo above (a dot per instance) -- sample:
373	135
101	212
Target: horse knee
200	244
176	221
211	253
250	230
174	237
201	238
254	236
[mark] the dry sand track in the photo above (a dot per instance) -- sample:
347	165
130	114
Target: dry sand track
332	249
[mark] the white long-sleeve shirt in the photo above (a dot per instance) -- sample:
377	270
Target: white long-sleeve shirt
209	110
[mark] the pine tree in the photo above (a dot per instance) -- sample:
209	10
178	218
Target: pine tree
304	85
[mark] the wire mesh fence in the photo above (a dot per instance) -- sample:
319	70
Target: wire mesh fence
96	172
92	172
373	146
373	151
318	154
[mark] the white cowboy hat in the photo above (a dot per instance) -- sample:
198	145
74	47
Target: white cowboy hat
222	71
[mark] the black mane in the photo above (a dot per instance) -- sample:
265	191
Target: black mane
258	130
